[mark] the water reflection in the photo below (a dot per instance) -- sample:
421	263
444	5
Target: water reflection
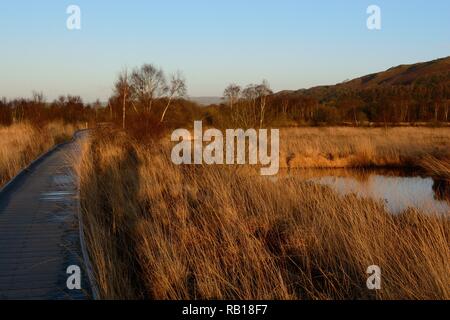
399	190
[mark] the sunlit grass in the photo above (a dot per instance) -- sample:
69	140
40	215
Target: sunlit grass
160	231
340	147
21	143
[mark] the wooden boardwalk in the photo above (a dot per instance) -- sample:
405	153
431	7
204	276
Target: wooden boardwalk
39	229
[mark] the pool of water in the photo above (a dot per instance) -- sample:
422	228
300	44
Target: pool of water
399	190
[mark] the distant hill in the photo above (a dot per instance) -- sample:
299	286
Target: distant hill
206	101
401	75
412	93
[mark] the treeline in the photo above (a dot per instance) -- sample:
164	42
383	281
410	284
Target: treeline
390	104
425	100
147	102
37	110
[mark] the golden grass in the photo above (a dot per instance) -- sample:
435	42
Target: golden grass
437	167
22	143
159	231
340	147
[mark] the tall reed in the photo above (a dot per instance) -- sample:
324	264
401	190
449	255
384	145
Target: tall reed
159	231
341	147
21	143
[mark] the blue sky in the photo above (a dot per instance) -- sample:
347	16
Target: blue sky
292	43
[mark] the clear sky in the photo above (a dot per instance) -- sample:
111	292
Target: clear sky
292	43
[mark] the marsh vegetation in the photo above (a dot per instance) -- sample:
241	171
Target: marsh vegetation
21	143
160	231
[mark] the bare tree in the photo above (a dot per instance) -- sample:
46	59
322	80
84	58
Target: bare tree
177	88
148	83
97	105
250	94
38	97
38	102
263	91
110	109
123	90
284	106
231	93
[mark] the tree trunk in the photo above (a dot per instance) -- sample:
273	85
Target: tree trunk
436	111
124	110
110	112
446	112
354	115
263	107
166	108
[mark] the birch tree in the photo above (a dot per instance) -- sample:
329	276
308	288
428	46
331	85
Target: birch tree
231	93
123	90
263	91
148	83
176	89
250	94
